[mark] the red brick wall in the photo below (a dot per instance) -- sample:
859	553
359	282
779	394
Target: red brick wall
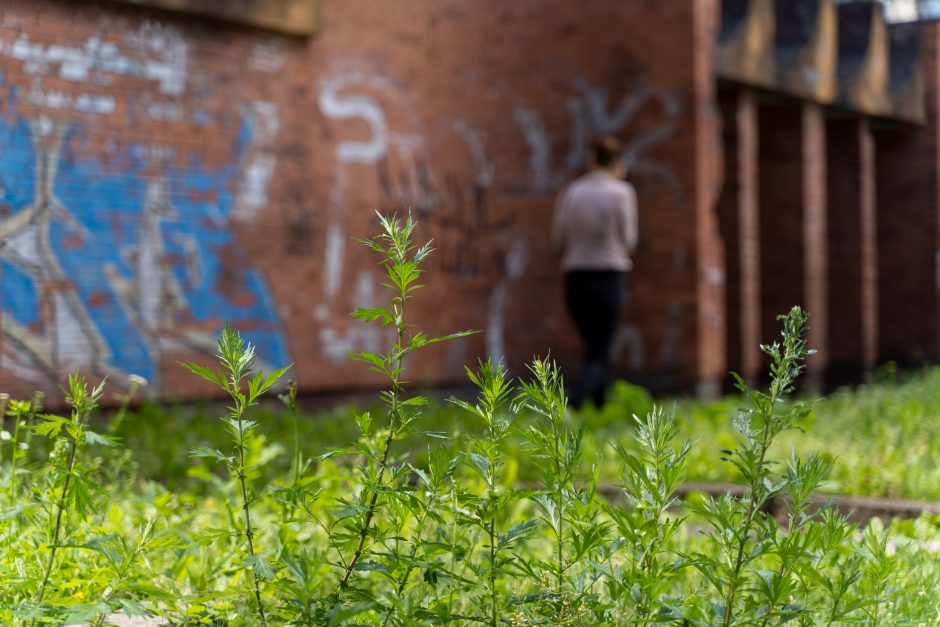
738	212
908	206
793	222
844	166
780	173
213	171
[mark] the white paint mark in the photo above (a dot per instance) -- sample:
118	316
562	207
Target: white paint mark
337	105
629	339
333	271
474	140
24	369
540	149
82	103
672	337
515	263
163	111
266	57
358	337
49	99
266	120
253	191
591	113
157	53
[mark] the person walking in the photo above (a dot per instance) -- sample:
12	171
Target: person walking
595	226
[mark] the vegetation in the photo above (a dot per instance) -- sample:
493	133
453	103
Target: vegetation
409	523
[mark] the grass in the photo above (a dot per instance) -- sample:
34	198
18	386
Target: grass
883	438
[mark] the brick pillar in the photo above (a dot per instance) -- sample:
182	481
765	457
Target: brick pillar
908	198
815	239
792	193
868	235
846	173
738	212
749	238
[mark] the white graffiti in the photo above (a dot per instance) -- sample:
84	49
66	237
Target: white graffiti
155	53
335	247
336	345
253	191
590	112
82	103
474	141
629	340
337	103
266	57
515	264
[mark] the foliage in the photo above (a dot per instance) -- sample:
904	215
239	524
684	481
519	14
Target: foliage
421	517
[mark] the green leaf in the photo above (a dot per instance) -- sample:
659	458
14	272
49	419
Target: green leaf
261	568
369	358
213	453
370	314
51	425
95	438
203	372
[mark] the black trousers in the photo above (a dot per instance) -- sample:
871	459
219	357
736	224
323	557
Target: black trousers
594	299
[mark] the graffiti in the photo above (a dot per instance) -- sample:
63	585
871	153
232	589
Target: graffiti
154	53
590	113
452	209
629	346
347	98
336	345
266	57
111	282
514	267
253	192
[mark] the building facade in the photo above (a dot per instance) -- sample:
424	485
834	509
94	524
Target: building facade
169	165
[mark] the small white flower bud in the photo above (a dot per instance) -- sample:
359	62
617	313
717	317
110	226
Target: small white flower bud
137	380
5	436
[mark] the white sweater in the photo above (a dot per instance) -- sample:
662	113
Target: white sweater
595	223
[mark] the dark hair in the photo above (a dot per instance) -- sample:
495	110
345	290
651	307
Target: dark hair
606	149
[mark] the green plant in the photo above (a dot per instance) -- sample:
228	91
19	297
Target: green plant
401	259
486	460
67	487
568	510
424	518
649	482
237	358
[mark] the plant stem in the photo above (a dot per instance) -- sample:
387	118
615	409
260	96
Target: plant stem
751	506
249	534
60	507
383	463
559	538
492	531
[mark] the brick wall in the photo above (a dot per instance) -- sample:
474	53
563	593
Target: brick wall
908	206
160	174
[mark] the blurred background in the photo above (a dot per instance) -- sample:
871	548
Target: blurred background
170	165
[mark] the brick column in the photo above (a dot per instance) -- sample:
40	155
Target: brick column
908	199
848	174
815	231
793	246
868	235
749	237
738	213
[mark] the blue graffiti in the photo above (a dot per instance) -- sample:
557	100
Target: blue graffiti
143	243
